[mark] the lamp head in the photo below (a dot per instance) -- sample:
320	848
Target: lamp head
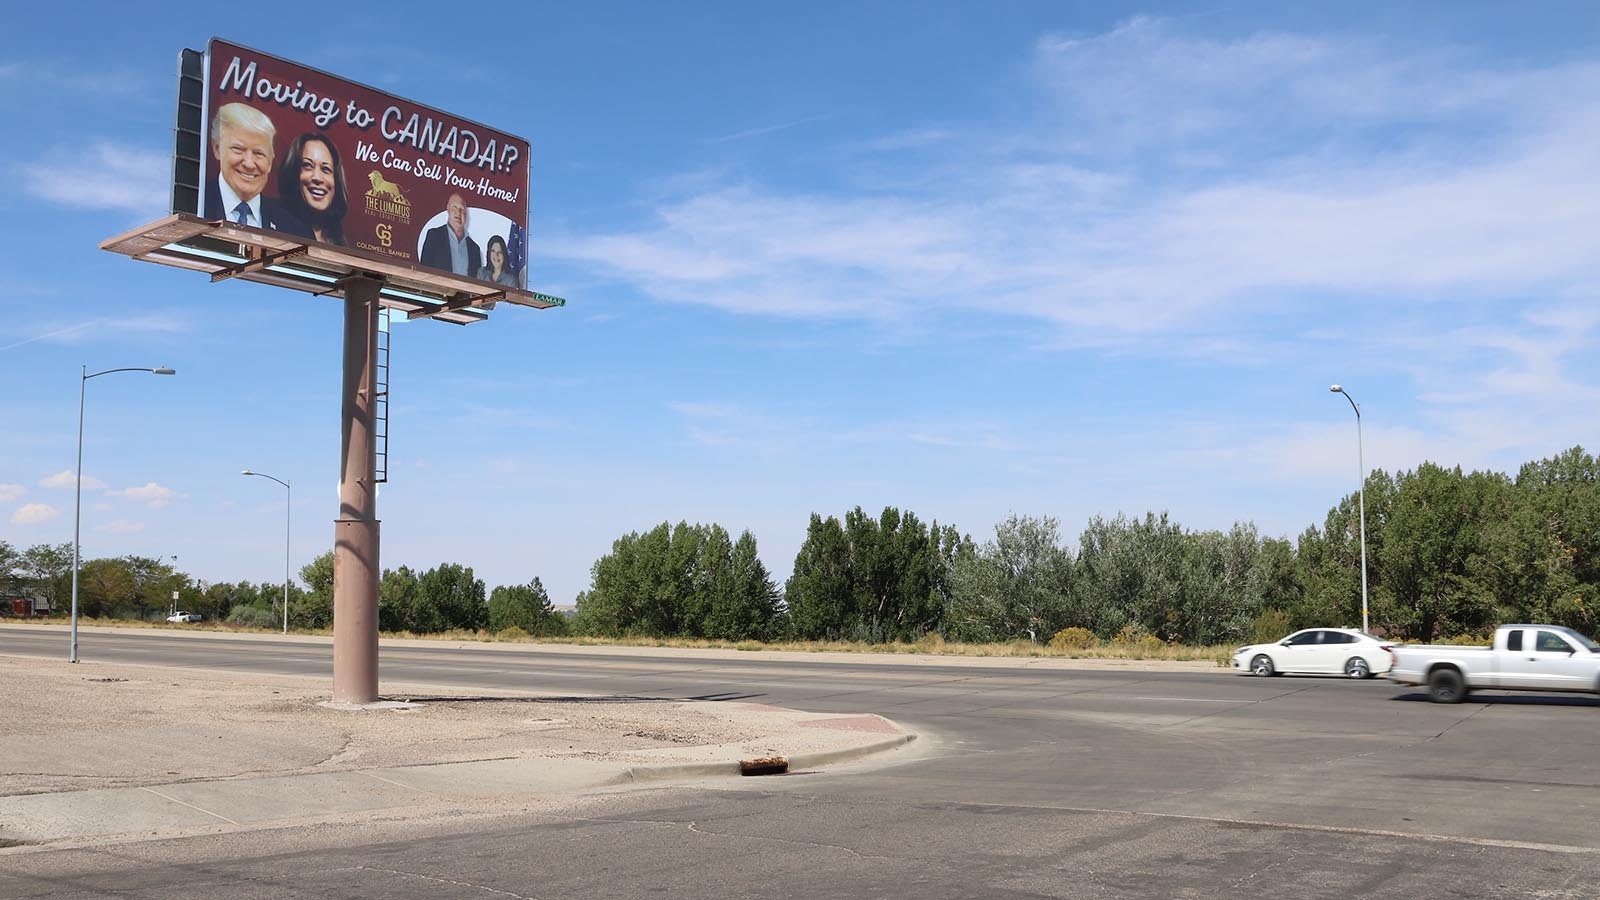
247	472
1336	389
164	370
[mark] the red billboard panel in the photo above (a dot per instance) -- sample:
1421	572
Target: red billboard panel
303	152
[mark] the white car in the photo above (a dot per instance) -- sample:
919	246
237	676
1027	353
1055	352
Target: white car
1317	651
185	617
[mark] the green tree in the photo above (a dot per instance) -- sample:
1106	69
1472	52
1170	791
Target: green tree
10	567
869	579
105	585
1130	572
1542	559
314	608
525	606
459	597
402	605
818	594
1431	554
48	570
1330	562
745	603
1223	589
1018	585
684	580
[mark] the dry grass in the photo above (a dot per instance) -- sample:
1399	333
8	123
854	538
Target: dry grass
931	645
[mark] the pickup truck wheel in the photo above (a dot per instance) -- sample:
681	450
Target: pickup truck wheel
1446	686
1262	666
1356	667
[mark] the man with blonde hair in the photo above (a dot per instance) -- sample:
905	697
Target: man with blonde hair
241	146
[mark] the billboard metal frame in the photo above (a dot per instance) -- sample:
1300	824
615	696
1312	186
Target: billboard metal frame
226	250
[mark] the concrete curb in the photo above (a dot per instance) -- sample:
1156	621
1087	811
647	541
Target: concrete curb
849	754
159	811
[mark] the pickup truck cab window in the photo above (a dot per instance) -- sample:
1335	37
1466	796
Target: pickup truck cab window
1514	640
1550	642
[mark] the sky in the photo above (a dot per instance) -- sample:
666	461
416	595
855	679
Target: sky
964	259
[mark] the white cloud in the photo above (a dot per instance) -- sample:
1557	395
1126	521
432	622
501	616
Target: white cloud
767	129
1164	184
99	329
33	513
151	493
1278	202
11	492
121	526
64	479
108	176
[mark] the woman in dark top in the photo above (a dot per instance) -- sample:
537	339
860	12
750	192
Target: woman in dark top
494	264
311	184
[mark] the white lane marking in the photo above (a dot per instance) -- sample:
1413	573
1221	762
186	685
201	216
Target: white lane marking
1191	700
1468	840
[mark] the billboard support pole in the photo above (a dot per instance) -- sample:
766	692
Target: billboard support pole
355	548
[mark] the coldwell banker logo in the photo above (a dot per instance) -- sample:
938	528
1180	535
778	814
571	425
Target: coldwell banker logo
385	200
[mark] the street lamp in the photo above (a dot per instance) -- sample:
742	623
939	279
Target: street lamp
287	509
1361	474
77	501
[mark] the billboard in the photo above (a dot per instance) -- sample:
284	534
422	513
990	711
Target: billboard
299	151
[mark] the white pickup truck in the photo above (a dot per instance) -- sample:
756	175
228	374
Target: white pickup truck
1523	658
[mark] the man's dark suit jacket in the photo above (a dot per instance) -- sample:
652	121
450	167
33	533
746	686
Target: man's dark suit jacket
436	251
273	213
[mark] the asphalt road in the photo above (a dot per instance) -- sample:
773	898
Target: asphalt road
1028	783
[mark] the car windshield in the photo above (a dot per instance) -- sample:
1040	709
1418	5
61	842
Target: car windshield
1588	645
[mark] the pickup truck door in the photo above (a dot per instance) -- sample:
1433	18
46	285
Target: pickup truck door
1546	662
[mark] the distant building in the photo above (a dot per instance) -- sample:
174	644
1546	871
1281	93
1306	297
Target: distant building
24	602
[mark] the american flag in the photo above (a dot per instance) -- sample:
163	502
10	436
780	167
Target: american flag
517	243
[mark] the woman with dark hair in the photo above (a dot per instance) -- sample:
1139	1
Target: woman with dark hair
494	264
311	185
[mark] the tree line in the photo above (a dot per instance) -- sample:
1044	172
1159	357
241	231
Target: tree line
1448	554
447	597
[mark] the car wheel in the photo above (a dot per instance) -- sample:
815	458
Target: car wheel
1356	667
1262	666
1446	686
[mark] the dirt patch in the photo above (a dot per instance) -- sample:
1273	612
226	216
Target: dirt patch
86	725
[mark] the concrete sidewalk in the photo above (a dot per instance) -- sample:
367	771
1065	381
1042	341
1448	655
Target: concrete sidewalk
92	752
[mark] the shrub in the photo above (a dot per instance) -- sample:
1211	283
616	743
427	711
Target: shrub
1136	639
1128	635
1467	640
1073	639
1271	625
511	633
251	617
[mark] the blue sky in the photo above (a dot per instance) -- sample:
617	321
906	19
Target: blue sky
965	259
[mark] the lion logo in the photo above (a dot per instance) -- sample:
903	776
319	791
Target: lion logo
383	187
385	199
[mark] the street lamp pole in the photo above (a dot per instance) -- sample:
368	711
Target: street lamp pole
287	511
77	499
1361	473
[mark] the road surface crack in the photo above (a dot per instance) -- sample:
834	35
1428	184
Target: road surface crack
437	879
